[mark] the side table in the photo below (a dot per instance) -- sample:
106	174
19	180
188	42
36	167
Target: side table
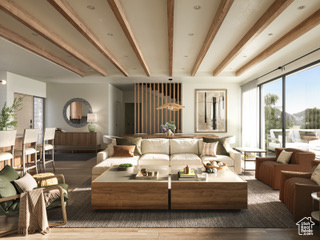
315	214
247	155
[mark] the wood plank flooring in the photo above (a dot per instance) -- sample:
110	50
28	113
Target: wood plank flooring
77	172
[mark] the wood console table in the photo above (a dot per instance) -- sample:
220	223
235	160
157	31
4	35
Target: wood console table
77	141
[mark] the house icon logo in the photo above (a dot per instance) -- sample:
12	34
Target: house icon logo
305	226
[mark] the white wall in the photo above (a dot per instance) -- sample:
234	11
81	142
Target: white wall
3	89
233	107
116	111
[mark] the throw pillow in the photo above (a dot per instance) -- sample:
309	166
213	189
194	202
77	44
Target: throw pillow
123	151
310	138
7	189
284	157
222	146
316	175
209	149
26	183
131	141
9	173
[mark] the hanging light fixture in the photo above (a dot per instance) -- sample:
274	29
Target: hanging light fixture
171	107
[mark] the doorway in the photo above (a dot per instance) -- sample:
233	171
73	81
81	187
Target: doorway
129	118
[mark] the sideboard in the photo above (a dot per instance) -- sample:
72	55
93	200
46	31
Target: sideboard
77	141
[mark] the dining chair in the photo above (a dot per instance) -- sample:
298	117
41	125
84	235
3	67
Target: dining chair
47	145
7	139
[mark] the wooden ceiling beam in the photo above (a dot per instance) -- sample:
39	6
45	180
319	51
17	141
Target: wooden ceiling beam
268	17
118	11
218	19
296	32
25	43
72	17
170	12
24	17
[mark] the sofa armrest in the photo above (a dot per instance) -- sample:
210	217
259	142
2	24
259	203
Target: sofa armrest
102	155
260	160
236	156
305	160
285	175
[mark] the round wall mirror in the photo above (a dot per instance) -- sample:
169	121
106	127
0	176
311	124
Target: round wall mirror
75	112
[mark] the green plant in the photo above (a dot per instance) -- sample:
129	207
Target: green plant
125	165
8	117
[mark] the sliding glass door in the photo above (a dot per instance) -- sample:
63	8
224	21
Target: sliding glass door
271	115
298	96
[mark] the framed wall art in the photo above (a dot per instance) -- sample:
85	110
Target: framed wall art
210	110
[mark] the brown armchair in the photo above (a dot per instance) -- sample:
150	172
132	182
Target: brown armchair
295	192
268	170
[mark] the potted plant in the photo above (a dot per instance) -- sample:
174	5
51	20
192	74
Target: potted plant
168	128
125	167
8	117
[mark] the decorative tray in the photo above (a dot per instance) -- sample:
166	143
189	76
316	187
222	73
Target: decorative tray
220	164
147	175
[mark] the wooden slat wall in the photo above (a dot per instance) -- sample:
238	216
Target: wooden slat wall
149	96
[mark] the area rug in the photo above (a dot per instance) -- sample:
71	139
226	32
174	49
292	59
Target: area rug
264	211
68	156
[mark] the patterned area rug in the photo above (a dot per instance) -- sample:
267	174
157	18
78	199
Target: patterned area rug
264	211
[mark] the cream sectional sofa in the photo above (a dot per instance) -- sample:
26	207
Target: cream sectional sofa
161	151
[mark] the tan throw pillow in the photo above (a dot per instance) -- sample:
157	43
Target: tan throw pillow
284	157
123	151
209	149
26	183
316	175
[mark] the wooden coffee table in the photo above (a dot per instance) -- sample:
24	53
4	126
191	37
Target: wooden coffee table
120	190
224	190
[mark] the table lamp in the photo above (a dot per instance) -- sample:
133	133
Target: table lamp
91	118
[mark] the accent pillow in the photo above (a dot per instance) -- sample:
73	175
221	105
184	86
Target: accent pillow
222	146
26	183
7	189
9	173
310	138
136	141
316	175
284	157
123	151
210	149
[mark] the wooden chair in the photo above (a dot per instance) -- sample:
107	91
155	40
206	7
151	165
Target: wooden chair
47	145
29	147
7	139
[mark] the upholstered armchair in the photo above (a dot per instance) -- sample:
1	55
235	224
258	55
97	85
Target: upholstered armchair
268	170
295	192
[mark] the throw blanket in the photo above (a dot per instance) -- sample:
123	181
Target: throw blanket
32	213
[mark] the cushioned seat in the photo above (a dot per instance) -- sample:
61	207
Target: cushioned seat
46	147
154	159
5	156
185	159
28	151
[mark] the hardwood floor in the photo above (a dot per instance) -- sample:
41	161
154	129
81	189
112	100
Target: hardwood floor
77	172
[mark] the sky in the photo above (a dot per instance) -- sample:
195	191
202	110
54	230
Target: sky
302	90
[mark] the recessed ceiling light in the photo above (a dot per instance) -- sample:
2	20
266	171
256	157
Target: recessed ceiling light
270	34
186	56
110	34
91	7
301	7
3	82
197	7
190	34
34	34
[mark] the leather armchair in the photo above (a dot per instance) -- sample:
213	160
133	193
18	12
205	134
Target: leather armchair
268	170
295	192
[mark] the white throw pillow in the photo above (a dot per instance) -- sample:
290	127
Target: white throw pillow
209	149
155	145
26	183
316	175
184	145
284	157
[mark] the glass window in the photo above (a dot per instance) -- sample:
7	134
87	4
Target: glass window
271	116
38	114
303	109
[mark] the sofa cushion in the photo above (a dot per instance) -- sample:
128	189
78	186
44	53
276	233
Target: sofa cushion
110	147
222	146
184	145
9	173
225	159
7	189
284	157
209	149
154	159
123	151
185	159
131	141
158	145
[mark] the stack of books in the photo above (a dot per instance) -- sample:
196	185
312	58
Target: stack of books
186	176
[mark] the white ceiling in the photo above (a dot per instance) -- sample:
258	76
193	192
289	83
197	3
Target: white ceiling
148	21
